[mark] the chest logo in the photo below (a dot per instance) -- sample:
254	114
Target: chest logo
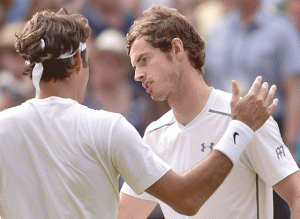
207	147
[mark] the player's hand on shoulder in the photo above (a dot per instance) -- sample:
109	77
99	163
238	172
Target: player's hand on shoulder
255	107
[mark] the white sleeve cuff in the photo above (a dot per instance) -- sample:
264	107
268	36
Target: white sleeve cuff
235	139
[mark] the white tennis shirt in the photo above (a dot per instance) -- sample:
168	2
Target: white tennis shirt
60	159
247	191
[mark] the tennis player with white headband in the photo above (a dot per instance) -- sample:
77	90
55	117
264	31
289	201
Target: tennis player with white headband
60	159
37	71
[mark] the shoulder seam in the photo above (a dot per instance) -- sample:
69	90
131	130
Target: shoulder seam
161	127
219	112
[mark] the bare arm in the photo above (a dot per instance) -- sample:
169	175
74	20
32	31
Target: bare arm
187	193
289	190
176	190
135	208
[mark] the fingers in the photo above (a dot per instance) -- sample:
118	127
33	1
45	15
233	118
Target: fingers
253	109
236	93
267	96
273	106
270	95
256	85
263	91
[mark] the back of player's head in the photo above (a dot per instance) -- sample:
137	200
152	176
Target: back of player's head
162	25
48	37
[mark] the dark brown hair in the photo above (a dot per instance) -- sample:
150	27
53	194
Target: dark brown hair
61	33
162	25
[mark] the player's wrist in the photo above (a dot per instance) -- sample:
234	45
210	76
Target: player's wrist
235	139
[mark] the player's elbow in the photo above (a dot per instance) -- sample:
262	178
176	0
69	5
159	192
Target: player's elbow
189	207
190	211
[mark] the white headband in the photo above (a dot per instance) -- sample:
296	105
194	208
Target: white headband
38	69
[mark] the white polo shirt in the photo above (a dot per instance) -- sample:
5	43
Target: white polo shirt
60	159
247	190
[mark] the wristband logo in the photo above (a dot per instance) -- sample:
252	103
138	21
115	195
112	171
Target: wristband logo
234	136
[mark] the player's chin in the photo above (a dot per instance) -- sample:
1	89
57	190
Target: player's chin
157	97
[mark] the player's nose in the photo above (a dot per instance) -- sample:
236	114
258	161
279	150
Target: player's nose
139	75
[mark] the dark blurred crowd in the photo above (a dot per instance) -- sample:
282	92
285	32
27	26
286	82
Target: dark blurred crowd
231	52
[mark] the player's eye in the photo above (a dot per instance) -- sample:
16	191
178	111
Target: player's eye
145	59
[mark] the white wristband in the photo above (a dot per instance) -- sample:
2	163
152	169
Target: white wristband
235	139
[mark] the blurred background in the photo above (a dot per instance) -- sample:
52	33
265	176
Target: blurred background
111	86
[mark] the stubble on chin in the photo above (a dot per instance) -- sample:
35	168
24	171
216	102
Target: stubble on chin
158	97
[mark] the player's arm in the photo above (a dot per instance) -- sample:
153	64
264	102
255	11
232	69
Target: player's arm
187	193
289	190
135	208
178	191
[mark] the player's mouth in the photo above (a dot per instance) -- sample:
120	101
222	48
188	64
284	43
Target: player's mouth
146	85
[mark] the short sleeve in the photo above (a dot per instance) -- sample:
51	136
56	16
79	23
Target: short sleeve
268	155
127	190
133	159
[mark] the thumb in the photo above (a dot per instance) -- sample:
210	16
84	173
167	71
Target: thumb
236	93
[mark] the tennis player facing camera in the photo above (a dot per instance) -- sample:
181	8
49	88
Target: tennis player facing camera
168	56
60	159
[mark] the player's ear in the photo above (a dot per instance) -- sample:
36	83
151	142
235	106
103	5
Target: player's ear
78	61
177	48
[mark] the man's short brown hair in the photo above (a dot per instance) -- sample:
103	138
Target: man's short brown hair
162	25
61	33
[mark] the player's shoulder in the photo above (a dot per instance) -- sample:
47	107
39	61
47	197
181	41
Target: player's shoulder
13	118
97	116
221	102
166	120
19	112
270	126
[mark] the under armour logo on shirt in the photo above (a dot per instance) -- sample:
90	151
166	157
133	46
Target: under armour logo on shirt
205	147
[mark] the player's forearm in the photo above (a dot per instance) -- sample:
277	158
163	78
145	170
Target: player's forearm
134	208
187	193
202	181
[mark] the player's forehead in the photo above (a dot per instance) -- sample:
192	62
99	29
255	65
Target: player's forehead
140	46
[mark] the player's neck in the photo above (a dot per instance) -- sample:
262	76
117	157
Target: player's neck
191	98
63	89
